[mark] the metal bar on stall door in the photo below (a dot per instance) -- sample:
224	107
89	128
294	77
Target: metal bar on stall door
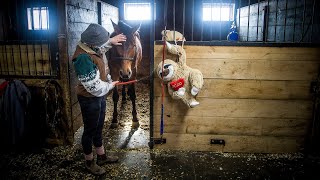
267	21
174	19
12	55
294	22
248	20
31	18
192	20
275	26
20	56
7	59
312	20
19	39
303	20
151	80
285	22
5	44
26	27
40	37
201	37
239	10
33	43
165	11
220	20
48	41
211	22
258	21
183	17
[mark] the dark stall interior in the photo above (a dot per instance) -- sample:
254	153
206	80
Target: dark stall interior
28	51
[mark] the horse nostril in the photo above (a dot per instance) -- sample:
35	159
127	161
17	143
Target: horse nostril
121	73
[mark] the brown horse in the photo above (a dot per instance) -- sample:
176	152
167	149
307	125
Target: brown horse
123	63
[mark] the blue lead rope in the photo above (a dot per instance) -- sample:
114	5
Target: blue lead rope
161	122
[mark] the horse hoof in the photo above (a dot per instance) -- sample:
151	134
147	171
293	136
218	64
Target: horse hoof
114	125
135	125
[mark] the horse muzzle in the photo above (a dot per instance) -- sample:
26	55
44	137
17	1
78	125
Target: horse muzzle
125	76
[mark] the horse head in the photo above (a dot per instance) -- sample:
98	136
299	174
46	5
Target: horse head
129	54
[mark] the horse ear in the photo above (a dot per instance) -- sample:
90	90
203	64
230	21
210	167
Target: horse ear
115	27
136	28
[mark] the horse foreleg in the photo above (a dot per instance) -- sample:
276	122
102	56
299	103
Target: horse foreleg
132	94
115	98
124	95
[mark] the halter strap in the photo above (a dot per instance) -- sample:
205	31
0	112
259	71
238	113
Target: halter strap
134	58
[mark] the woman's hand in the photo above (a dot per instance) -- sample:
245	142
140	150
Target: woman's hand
114	83
116	40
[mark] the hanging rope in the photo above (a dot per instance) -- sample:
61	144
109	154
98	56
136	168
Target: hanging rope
53	105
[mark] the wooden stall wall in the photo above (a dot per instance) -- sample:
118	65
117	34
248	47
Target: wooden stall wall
79	15
256	99
19	59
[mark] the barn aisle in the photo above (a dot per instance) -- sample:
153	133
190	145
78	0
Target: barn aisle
124	136
137	161
67	163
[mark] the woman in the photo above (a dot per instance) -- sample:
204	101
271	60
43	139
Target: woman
92	70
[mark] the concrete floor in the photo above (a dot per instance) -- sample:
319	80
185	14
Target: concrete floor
137	161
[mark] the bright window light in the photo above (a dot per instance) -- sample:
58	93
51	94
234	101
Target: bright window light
138	11
218	11
38	18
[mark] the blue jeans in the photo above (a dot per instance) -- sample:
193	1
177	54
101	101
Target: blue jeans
93	111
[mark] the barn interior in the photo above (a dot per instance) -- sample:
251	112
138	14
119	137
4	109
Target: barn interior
258	116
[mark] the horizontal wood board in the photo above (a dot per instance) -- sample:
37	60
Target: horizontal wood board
25	59
259	96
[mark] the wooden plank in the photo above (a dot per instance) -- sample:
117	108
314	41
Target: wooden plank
25	59
246	53
232	126
76	116
245	108
73	82
249	89
253	69
248	144
76	110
